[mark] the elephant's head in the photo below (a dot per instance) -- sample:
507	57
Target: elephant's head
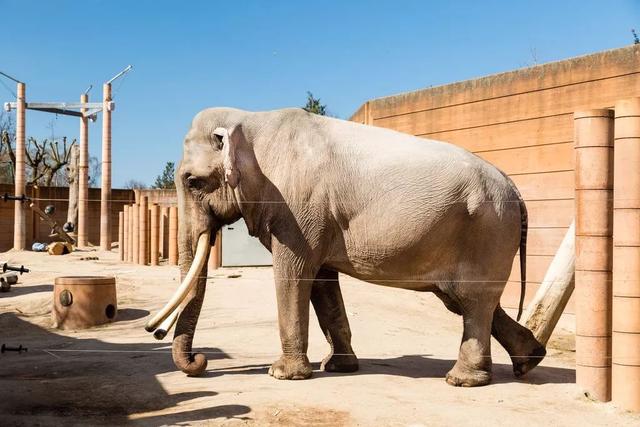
205	183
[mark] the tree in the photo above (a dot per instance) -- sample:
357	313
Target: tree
95	171
45	160
165	180
133	184
314	106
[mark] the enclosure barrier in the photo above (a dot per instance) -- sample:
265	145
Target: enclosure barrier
19	225
594	229
626	255
148	234
83	176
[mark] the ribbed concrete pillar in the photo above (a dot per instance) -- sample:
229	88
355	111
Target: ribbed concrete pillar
125	240
164	232
173	235
155	234
130	240
626	254
215	255
136	234
594	231
83	178
143	239
19	224
121	235
105	194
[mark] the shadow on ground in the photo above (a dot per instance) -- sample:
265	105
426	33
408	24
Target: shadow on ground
20	289
420	366
65	380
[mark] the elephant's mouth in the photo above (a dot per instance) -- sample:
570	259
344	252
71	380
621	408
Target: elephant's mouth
162	322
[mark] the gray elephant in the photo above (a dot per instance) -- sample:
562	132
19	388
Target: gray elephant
328	196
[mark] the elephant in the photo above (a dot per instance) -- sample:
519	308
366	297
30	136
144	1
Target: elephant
328	196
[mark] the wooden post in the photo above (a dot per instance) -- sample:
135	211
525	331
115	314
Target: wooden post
594	231
125	243
72	176
136	234
164	231
105	194
142	225
121	235
173	235
19	224
544	311
155	234
83	178
626	257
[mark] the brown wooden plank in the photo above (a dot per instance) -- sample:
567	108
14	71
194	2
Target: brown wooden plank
545	130
554	185
530	105
546	158
544	241
550	213
596	66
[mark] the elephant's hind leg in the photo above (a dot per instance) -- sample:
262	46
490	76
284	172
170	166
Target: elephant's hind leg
473	367
329	307
525	351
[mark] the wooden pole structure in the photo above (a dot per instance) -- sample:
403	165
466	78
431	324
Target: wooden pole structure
164	231
105	194
626	255
143	236
544	311
155	234
83	178
19	224
121	235
135	236
173	235
125	243
594	231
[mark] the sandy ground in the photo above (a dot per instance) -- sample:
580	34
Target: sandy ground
118	374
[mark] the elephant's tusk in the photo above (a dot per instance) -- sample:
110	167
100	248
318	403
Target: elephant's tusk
190	280
166	325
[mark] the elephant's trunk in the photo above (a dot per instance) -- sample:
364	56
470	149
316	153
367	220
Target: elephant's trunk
191	364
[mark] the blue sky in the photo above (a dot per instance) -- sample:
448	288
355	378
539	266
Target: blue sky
261	55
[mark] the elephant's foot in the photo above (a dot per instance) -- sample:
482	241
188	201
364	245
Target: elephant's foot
291	368
523	364
461	376
340	363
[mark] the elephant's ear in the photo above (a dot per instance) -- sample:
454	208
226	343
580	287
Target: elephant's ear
231	141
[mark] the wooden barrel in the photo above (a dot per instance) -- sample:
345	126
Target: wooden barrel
83	301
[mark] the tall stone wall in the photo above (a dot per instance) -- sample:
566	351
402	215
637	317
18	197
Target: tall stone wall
522	122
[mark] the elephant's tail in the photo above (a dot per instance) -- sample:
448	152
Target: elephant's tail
524	226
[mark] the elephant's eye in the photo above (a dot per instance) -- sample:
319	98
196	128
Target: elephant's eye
195	183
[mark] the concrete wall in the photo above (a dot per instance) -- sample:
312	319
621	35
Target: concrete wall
521	121
38	231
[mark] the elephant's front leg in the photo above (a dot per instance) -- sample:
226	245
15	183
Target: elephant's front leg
329	306
294	279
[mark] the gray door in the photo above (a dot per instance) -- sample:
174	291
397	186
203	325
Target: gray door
240	249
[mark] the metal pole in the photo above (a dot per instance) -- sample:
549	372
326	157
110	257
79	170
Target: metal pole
19	224
83	177
105	194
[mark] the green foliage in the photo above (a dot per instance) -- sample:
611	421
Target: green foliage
314	106
165	180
